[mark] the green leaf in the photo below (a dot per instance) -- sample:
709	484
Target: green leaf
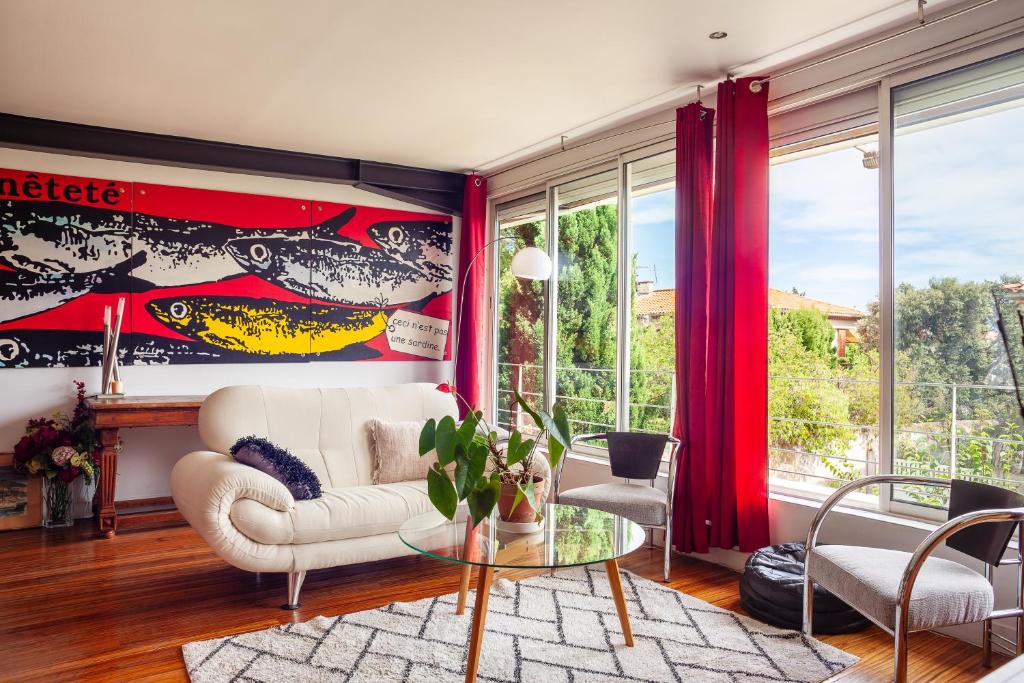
468	427
559	436
530	411
512	455
427	436
523	493
441	491
477	462
481	501
462	471
445	440
526	448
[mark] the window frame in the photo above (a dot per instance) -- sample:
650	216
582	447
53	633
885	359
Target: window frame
812	126
620	164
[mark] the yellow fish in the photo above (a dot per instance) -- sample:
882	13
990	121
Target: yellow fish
268	327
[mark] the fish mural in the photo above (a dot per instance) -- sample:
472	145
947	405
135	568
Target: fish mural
268	327
25	294
47	238
208	276
342	272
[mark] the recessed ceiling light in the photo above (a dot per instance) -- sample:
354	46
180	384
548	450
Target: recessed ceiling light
717	35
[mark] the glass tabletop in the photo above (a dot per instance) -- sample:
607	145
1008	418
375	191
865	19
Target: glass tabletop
569	536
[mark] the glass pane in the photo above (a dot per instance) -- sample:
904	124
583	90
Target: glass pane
823	384
521	312
958	206
652	260
586	302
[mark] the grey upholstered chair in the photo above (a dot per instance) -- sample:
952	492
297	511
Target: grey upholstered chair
632	455
903	592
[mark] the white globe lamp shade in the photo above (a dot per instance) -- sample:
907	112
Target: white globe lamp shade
531	263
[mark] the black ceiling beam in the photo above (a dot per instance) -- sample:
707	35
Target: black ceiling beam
436	190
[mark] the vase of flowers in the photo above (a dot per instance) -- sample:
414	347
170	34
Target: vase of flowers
476	467
61	449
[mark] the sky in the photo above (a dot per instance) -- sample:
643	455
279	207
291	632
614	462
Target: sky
959	211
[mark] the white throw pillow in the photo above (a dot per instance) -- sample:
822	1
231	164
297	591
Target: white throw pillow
396	455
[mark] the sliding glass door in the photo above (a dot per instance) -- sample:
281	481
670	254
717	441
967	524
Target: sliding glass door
958	233
586	303
521	327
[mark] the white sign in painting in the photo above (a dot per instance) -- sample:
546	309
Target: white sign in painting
419	335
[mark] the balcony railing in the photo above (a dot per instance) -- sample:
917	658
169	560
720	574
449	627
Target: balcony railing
520	379
940	440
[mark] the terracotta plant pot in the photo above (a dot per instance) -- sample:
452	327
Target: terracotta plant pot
523	513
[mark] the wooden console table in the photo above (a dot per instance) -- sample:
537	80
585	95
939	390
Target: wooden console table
110	416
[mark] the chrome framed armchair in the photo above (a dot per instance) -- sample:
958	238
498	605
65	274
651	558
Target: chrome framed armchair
903	592
632	455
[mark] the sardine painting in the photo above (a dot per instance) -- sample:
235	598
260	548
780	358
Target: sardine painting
209	276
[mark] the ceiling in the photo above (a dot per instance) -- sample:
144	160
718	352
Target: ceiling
447	84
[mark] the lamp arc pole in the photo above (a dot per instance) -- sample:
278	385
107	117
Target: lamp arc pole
542	272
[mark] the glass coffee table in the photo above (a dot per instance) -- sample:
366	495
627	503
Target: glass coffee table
571	536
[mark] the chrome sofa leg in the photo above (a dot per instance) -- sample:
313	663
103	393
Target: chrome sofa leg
295	580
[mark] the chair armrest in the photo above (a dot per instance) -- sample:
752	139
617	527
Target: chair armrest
833	500
585	437
935	538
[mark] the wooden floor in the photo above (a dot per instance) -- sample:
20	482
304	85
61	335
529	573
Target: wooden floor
74	606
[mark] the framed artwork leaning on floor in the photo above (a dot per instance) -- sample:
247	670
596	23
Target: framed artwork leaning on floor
21	496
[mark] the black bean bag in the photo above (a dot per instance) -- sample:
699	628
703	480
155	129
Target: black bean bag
771	590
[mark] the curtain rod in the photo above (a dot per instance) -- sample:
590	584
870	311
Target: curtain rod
755	86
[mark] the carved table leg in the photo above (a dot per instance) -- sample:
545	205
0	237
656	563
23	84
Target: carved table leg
108	481
612	567
476	636
467	574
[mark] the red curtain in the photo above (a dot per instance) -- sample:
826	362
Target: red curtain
469	373
694	126
729	456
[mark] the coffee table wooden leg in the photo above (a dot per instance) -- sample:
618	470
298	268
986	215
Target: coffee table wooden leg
467	574
476	636
612	567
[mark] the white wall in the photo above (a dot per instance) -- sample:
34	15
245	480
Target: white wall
145	462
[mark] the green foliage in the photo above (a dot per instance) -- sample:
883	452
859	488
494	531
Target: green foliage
482	463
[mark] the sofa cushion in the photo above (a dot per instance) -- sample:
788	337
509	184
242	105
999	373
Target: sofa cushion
868	579
340	513
395	448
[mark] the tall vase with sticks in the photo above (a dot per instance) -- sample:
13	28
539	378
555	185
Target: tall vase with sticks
111	386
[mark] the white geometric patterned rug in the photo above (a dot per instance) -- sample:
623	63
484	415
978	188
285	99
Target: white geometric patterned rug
560	628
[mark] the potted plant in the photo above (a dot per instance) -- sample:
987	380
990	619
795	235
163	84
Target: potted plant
475	466
61	448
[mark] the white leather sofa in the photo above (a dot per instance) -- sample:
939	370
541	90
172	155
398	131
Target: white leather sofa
252	521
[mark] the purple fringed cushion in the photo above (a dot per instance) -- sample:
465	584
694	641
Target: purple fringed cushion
278	463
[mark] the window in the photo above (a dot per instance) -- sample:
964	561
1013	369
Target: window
823	358
887	241
652	259
521	312
586	305
958	208
612	335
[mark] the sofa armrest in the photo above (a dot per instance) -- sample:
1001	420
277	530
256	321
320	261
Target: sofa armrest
207	481
205	485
